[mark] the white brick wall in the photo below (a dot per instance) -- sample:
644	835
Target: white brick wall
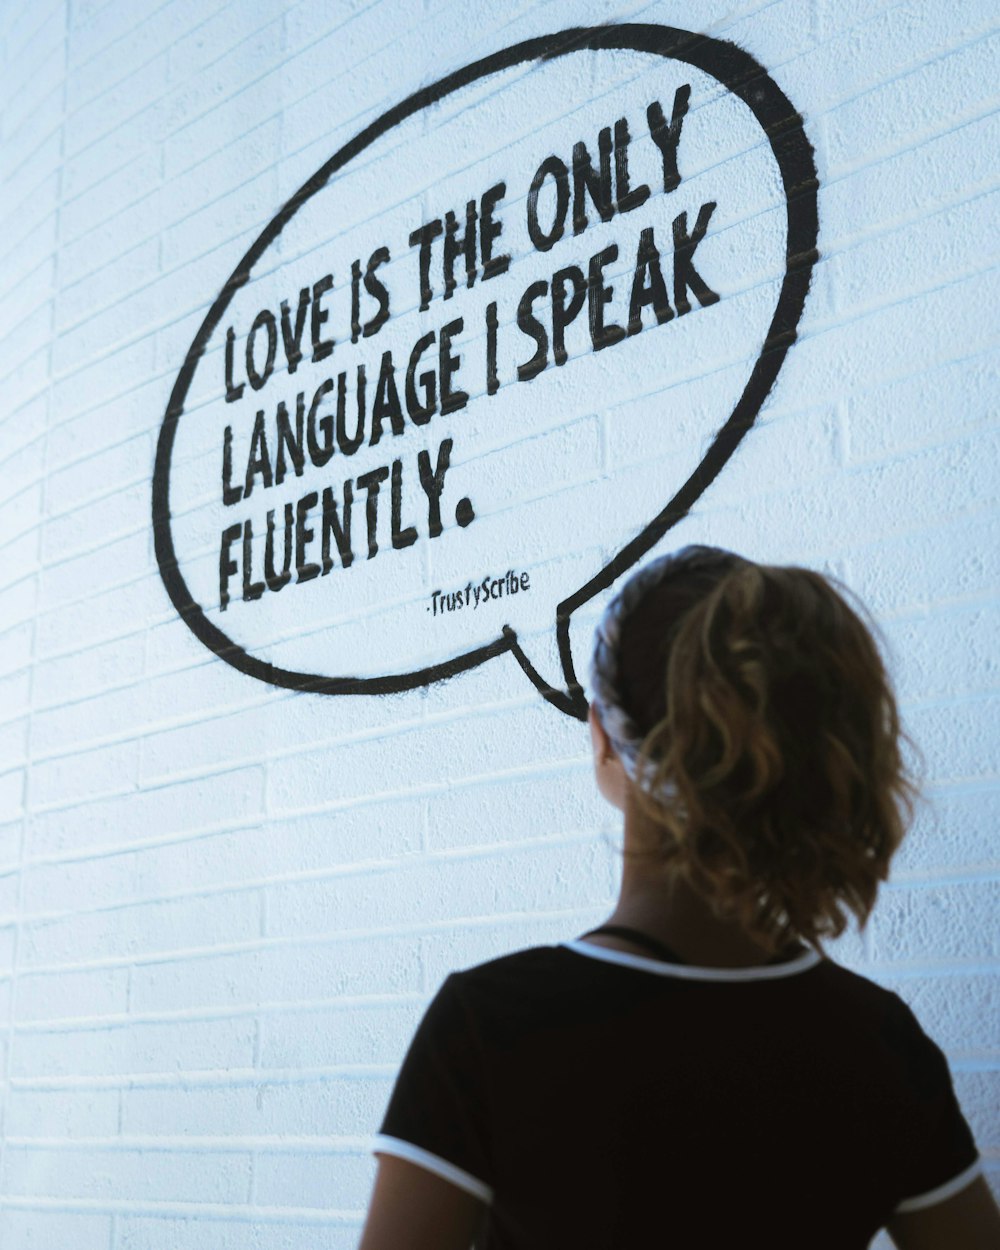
223	906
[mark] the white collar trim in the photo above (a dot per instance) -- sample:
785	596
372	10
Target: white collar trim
690	972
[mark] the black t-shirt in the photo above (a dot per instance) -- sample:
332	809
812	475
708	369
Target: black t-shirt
596	1098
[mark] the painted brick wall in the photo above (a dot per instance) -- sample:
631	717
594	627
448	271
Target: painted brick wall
224	905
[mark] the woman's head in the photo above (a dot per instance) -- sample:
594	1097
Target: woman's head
754	720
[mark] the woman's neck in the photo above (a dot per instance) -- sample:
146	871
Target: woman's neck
664	905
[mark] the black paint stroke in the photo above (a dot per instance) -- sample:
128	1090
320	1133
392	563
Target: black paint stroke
741	74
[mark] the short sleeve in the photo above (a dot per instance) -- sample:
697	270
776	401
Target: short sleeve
436	1115
940	1156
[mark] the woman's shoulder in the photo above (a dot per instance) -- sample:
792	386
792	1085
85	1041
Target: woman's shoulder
527	978
529	963
862	990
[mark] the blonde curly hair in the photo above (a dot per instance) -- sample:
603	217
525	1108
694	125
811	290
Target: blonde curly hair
770	743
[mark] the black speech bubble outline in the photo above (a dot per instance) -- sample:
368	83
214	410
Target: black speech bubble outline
741	74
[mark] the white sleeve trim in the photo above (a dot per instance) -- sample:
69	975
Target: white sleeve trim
433	1163
933	1196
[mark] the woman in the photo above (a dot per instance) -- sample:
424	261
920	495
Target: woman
695	1072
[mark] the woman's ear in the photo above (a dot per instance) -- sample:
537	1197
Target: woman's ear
612	780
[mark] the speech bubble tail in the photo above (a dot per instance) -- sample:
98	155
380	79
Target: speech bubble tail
568	695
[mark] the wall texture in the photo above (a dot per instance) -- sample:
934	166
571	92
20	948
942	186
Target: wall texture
224	904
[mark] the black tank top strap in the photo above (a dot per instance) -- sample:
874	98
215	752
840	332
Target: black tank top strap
656	947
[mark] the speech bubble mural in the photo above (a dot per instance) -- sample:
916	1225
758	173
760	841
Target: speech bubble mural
483	360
